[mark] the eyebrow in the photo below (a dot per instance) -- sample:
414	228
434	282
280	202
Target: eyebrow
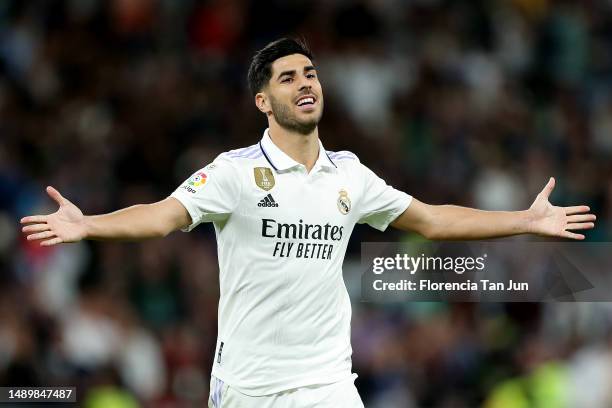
307	68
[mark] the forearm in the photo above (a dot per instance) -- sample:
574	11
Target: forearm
142	221
450	222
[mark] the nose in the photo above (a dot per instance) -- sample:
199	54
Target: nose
304	85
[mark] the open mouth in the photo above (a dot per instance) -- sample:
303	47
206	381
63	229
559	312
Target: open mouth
306	101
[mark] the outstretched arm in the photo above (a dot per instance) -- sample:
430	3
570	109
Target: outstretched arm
450	222
142	221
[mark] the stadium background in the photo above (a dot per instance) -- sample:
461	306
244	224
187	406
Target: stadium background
466	102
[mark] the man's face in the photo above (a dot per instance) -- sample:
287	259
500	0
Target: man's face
294	95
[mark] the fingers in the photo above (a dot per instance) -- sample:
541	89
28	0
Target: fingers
581	218
49	238
55	195
53	241
576	226
40	235
578	221
36	228
571	235
34	219
548	188
580	225
578	209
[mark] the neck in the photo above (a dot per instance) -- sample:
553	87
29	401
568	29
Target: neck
304	149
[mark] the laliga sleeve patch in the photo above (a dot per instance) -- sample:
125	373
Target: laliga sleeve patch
196	182
198	179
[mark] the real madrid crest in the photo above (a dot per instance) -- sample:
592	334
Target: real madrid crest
344	202
264	178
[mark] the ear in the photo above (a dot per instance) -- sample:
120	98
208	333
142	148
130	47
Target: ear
261	101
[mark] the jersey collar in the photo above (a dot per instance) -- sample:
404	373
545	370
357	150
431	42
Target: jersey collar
280	161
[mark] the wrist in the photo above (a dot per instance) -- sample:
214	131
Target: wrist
527	222
87	227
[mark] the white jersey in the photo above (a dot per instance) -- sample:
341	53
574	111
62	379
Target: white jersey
282	233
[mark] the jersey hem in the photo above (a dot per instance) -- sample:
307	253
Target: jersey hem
259	391
392	217
185	202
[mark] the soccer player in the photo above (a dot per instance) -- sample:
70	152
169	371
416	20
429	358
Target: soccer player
283	210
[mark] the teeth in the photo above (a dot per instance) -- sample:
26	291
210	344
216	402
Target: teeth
305	100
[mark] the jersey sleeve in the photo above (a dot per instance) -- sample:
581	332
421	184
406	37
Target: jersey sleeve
381	204
211	193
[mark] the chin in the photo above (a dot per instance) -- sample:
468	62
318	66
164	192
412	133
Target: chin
303	127
313	121
314	116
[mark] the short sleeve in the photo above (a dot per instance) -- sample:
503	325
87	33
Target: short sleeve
381	204
211	193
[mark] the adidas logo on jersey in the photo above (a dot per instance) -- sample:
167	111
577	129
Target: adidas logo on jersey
267	201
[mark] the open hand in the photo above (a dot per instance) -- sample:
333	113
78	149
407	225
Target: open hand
67	224
550	220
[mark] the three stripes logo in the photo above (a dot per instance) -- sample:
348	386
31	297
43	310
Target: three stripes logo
267	201
219	353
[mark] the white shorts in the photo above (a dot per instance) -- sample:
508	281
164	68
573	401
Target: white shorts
342	394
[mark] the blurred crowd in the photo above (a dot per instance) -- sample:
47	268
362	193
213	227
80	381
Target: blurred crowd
472	102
